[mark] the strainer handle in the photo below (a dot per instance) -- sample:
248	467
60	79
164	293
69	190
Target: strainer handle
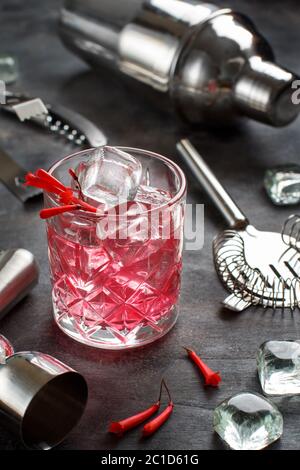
233	215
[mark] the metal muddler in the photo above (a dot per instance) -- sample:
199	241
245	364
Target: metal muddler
18	275
41	399
211	62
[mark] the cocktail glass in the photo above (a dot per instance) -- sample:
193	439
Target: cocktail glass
116	276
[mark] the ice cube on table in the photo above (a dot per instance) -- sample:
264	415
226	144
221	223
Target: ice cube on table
278	365
282	184
248	421
109	177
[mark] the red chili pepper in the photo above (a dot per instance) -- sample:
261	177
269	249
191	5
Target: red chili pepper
42	179
73	174
67	196
156	423
46	213
211	378
47	177
119	427
37	182
84	205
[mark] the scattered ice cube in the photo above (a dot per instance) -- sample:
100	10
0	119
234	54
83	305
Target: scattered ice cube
248	421
8	69
283	184
278	364
6	349
151	195
109	177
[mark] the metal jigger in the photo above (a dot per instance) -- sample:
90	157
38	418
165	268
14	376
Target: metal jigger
41	399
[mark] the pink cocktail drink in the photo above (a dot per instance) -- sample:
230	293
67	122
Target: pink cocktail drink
116	279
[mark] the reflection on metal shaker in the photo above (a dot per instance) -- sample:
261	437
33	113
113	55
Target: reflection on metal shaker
212	63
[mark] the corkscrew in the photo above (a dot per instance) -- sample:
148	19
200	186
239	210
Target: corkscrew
59	120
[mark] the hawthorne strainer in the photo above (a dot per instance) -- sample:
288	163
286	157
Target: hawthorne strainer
258	268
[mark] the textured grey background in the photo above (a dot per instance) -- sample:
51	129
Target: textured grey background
123	383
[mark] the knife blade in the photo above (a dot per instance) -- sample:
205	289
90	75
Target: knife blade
12	175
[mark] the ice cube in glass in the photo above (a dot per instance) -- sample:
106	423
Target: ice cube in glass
109	177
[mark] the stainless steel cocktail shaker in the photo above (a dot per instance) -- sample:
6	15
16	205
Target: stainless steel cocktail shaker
212	63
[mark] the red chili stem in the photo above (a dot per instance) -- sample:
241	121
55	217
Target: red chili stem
210	377
156	423
75	178
46	213
163	383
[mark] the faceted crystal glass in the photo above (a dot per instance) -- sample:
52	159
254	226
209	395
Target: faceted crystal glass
116	279
248	421
278	365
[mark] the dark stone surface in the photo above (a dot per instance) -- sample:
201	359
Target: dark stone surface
123	383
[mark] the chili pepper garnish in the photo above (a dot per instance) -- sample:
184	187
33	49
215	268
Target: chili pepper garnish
47	213
210	377
119	427
42	179
44	175
84	205
156	423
